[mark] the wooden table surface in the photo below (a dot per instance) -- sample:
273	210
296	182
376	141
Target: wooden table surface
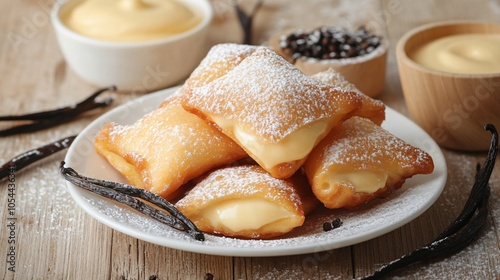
55	239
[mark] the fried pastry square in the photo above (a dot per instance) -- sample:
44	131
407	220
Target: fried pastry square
273	111
221	59
165	148
360	161
244	201
370	108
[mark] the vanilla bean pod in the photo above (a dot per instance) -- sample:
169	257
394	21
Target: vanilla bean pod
478	189
21	161
441	247
126	194
246	20
148	196
72	176
47	119
465	229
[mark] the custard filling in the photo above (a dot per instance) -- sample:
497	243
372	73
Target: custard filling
247	214
295	146
361	181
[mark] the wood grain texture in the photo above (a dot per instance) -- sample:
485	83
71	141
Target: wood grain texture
57	240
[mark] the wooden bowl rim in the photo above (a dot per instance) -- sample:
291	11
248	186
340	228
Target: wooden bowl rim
403	57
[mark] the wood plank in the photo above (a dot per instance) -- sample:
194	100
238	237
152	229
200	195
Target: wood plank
136	259
46	212
175	264
320	265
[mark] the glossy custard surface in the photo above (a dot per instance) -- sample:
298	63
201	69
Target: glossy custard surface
131	20
462	53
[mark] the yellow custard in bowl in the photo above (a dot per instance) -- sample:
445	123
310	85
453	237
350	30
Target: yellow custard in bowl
137	45
469	53
131	20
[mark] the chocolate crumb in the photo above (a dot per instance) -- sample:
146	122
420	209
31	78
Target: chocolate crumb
336	223
209	276
327	226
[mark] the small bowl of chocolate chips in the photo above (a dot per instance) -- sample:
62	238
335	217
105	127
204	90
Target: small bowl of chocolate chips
359	55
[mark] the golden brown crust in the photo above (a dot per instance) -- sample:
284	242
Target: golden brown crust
218	62
304	190
370	108
165	149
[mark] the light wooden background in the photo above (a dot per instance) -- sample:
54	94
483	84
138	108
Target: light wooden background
57	240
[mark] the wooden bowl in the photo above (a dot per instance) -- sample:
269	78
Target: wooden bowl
452	108
366	72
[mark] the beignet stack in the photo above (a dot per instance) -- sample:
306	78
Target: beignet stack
305	139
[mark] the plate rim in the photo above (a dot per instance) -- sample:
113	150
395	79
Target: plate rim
198	246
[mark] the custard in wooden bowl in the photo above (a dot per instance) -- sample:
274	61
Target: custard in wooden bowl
450	75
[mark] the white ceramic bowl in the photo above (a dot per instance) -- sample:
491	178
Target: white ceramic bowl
137	66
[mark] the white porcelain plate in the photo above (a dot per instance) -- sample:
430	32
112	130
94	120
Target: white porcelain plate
373	220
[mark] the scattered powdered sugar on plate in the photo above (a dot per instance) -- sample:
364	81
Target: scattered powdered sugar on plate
370	221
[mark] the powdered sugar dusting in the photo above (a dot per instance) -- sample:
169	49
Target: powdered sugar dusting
241	181
219	60
371	108
332	77
380	148
270	97
46	223
335	78
185	146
